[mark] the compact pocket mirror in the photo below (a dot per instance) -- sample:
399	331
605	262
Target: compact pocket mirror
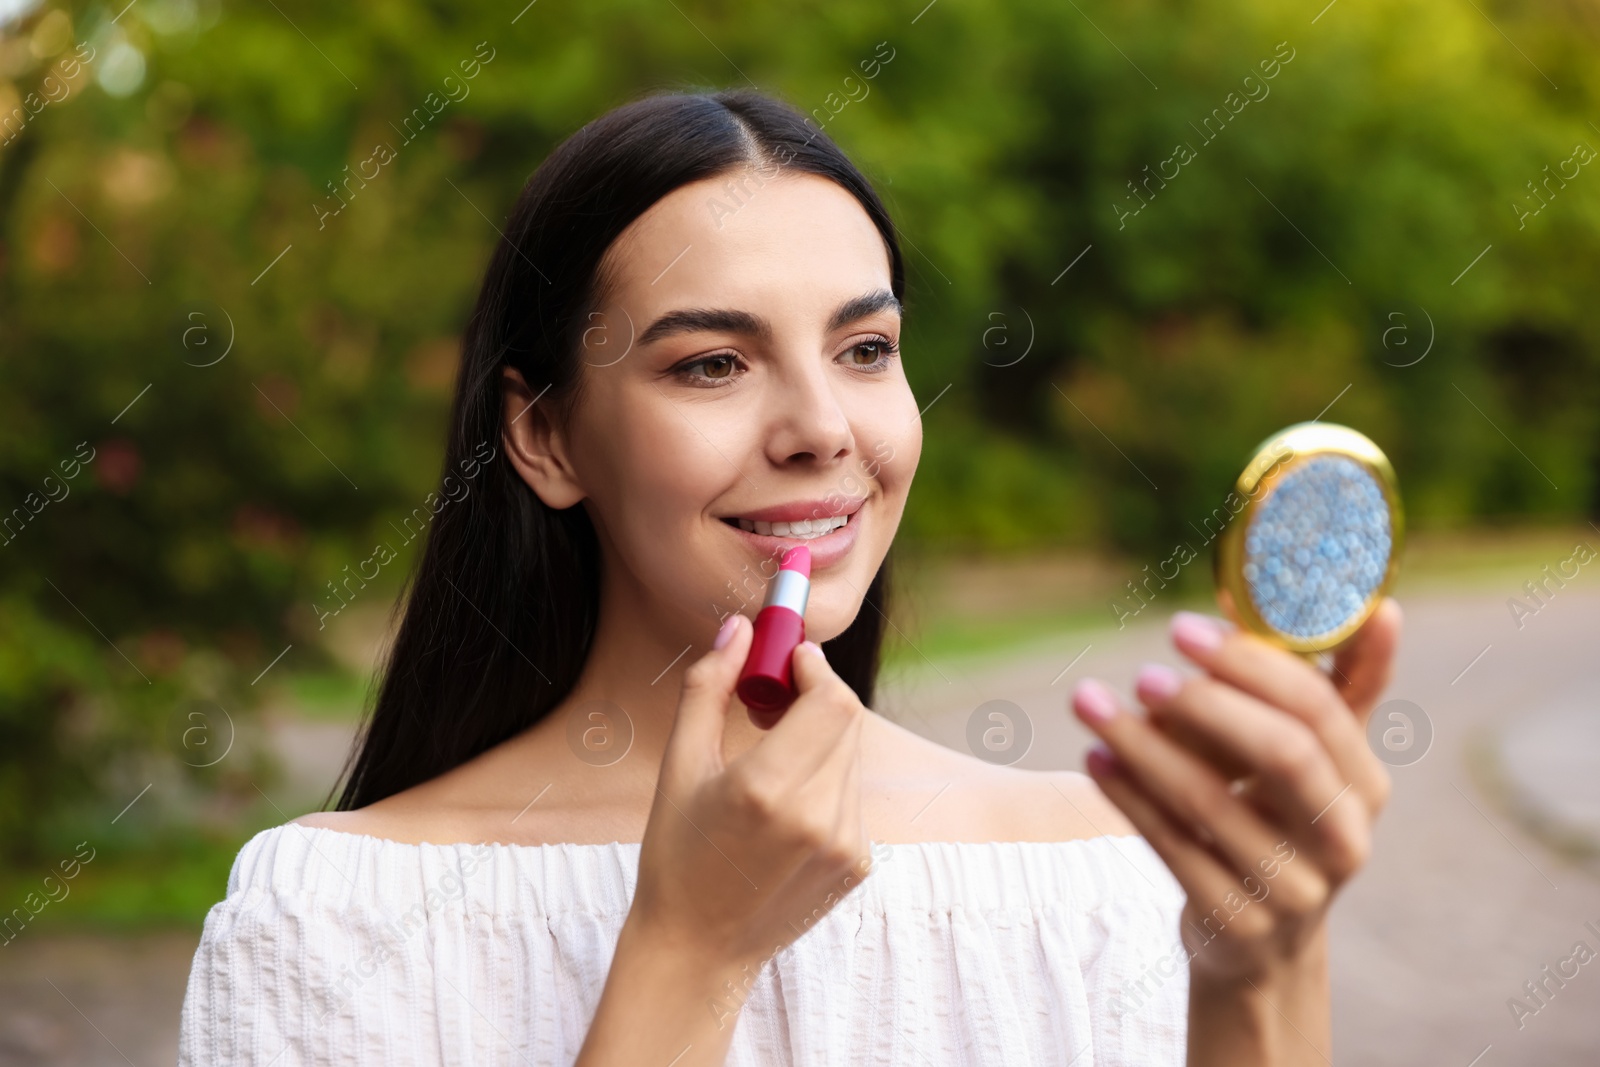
1316	545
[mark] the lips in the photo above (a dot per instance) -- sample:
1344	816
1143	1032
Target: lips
804	529
800	510
815	524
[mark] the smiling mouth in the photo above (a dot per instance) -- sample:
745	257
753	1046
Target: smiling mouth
802	529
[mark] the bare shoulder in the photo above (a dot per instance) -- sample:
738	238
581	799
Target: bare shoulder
449	809
1091	804
509	795
921	791
395	818
346	822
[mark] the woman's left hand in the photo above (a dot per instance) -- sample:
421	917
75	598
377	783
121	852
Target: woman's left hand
1261	859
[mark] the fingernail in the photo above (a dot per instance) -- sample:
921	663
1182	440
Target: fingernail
1196	633
1101	760
725	634
1157	682
1093	702
812	648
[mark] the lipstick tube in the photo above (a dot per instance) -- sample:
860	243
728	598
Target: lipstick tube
766	684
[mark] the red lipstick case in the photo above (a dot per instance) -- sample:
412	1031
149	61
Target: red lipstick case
766	684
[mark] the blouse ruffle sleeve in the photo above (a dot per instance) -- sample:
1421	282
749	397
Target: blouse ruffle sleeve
334	948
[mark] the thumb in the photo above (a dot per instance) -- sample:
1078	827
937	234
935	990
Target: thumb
809	667
1364	665
707	691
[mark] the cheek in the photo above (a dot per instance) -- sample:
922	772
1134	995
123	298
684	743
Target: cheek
645	473
890	447
650	476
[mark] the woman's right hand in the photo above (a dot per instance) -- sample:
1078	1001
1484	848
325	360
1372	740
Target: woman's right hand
738	859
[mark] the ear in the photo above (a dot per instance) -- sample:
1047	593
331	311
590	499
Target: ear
535	445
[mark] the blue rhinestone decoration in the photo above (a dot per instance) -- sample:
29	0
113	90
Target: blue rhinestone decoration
1317	547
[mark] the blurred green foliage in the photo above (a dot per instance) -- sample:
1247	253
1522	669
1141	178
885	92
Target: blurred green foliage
168	207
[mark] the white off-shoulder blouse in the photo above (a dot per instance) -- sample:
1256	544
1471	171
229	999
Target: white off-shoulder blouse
338	948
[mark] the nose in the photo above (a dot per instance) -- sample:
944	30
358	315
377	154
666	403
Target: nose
807	420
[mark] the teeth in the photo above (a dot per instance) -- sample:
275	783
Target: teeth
804	529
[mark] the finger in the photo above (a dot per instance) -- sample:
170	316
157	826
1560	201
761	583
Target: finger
852	817
828	791
1203	875
824	813
1218	896
848	820
824	799
1365	663
827	877
1228	763
1282	680
695	743
836	788
1300	779
811	729
1279	747
852	831
1177	780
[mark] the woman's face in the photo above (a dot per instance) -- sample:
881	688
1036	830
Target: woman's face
743	368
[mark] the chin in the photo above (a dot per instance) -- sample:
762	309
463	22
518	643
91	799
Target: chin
834	604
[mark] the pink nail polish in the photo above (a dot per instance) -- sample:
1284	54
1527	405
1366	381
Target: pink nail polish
1158	683
1199	634
725	634
1093	702
1101	760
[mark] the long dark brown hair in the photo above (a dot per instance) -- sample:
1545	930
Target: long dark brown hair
504	600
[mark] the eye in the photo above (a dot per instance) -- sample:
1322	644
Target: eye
719	368
880	350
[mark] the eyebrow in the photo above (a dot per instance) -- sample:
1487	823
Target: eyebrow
727	320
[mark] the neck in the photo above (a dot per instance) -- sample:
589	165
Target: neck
641	649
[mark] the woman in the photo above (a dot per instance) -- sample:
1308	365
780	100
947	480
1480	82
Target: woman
562	840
